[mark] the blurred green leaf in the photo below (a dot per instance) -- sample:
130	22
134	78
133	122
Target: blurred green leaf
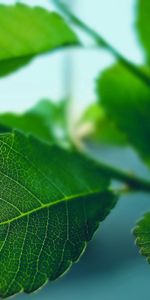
4	128
51	203
143	25
26	32
98	128
142	234
47	121
126	101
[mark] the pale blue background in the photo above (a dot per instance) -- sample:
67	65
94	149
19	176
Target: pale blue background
111	268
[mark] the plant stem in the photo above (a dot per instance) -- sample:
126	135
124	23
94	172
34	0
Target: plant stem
133	182
100	41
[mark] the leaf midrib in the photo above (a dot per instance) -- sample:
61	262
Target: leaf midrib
42	205
47	205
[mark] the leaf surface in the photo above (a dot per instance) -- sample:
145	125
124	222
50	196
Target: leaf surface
126	101
46	121
142	234
26	32
51	202
143	25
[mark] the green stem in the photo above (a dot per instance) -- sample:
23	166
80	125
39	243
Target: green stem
100	41
133	182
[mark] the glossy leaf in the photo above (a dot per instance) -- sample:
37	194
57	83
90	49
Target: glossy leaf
126	101
51	202
143	25
142	234
26	32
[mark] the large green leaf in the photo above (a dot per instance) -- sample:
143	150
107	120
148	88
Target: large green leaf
143	24
46	121
26	32
142	234
126	101
51	202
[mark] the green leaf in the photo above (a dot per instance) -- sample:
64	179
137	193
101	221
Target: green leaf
51	202
142	234
4	129
97	127
126	101
143	25
46	121
26	32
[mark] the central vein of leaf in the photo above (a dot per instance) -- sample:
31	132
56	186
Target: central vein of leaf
47	205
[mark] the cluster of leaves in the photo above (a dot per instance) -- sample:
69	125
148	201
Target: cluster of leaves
52	198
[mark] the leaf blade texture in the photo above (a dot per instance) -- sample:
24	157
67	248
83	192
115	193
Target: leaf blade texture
142	235
143	25
50	205
126	101
26	32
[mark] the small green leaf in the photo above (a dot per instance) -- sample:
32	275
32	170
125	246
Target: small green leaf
142	234
143	24
51	202
26	32
126	101
45	121
99	128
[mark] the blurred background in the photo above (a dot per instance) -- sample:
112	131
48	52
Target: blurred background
111	267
